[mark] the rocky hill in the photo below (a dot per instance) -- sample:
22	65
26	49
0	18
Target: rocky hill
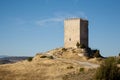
57	64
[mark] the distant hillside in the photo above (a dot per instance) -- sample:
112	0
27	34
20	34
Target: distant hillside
7	59
2	56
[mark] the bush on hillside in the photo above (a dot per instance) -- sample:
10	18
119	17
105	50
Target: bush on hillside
64	49
49	57
30	59
43	56
96	53
82	46
78	45
108	70
70	67
81	70
118	60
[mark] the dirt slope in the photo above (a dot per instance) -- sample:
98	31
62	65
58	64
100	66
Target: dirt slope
45	67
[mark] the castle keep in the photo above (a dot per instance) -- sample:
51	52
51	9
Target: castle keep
75	30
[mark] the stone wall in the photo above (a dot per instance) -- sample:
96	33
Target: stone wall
75	30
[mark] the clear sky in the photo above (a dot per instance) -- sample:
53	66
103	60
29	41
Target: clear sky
31	26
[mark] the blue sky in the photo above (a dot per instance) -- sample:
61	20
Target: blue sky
31	26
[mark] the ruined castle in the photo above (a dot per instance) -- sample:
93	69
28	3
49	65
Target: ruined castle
75	31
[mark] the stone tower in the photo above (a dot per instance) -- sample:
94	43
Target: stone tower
75	30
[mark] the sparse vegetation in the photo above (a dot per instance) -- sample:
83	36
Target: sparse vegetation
82	46
49	57
96	53
30	59
87	75
64	49
70	67
78	45
81	70
108	70
99	59
118	60
89	51
43	56
66	66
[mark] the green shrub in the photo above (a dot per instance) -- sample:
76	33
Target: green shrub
108	70
96	53
30	59
81	70
78	45
99	59
70	67
49	57
118	60
43	56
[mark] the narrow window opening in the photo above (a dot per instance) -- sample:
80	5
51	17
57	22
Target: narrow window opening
69	39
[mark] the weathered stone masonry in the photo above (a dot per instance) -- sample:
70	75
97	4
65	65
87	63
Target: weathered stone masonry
75	30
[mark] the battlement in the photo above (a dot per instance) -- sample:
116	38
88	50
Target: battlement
76	19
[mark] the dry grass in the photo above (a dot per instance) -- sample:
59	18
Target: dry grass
44	69
47	68
86	75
